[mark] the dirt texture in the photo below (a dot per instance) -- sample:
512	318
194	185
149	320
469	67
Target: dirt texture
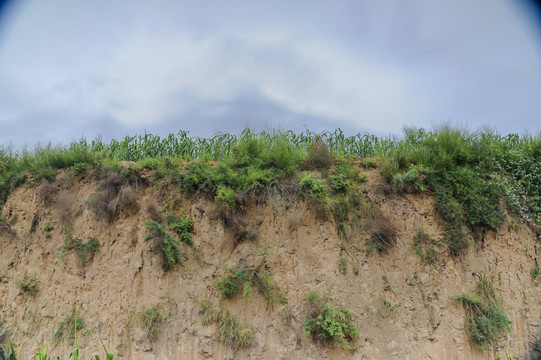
402	305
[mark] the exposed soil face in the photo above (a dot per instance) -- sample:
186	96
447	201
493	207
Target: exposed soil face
402	305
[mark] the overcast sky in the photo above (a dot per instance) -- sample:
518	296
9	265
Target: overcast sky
118	67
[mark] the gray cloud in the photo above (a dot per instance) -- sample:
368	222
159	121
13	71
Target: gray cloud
121	67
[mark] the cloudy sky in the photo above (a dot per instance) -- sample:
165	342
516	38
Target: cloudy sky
117	67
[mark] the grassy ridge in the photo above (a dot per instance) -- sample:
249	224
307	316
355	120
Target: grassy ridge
469	172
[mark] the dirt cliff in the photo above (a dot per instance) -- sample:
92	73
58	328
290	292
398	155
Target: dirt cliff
401	303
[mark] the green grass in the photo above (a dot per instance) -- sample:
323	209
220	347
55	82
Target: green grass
232	331
486	319
468	172
71	324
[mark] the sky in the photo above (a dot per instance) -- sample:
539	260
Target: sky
70	69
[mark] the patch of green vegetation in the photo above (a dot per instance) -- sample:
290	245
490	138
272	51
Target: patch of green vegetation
343	265
424	244
168	246
10	354
151	321
454	165
315	189
232	331
85	250
28	284
70	324
247	277
183	226
328	323
48	228
486	320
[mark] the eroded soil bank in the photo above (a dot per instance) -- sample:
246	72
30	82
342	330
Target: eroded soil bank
401	304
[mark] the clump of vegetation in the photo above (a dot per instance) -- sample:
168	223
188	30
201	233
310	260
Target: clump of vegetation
315	189
183	226
168	246
456	166
47	230
28	284
151	321
10	354
247	277
486	320
328	323
85	250
232	331
424	246
343	265
70	324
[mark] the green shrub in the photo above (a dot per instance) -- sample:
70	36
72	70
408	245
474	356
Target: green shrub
486	320
183	226
226	197
169	247
315	189
328	323
232	332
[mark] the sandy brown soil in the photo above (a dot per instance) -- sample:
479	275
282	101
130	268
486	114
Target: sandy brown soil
402	306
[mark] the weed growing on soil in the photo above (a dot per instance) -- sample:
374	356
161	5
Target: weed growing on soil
151	321
247	277
232	331
85	251
485	318
28	284
328	323
423	245
72	324
343	266
168	246
183	226
47	230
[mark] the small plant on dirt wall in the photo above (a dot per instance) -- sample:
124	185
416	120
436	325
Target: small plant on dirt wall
71	324
423	245
247	277
168	246
232	331
85	250
151	321
486	319
328	323
183	226
28	284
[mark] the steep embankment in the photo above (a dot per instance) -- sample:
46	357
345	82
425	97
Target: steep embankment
401	304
